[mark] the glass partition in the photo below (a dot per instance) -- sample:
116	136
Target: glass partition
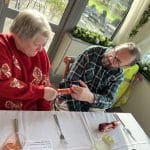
104	16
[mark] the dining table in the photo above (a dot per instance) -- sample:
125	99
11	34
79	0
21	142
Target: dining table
41	130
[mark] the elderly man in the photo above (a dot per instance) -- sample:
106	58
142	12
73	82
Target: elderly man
99	71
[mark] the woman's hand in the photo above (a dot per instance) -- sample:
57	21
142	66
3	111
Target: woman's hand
49	93
82	93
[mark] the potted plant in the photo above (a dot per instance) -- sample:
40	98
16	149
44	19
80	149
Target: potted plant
90	37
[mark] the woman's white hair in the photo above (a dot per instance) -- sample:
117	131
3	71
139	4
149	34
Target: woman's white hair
29	23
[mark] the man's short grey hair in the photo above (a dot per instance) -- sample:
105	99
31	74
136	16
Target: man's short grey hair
134	51
28	23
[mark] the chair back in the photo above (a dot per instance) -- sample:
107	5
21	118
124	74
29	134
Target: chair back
68	60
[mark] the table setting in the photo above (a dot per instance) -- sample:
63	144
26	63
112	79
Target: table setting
63	130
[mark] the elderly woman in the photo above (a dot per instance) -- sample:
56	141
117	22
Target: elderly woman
24	64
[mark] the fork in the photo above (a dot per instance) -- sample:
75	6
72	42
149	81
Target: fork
16	128
62	137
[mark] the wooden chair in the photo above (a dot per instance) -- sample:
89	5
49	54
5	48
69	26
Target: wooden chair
68	60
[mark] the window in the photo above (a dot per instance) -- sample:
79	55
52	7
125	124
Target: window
52	9
104	16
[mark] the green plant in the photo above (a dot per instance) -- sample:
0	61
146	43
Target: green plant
100	6
144	20
116	22
91	37
56	6
144	66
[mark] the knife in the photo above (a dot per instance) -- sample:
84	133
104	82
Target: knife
124	126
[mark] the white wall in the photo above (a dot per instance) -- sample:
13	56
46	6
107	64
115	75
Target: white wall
143	38
69	46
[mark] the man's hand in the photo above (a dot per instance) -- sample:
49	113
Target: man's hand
82	93
49	93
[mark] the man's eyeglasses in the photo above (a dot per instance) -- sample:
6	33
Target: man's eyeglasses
116	60
111	59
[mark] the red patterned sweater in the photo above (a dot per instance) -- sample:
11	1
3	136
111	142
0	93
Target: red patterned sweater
22	78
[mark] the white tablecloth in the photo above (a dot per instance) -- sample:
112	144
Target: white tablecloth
80	129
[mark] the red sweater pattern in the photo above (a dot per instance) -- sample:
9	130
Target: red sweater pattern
22	78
